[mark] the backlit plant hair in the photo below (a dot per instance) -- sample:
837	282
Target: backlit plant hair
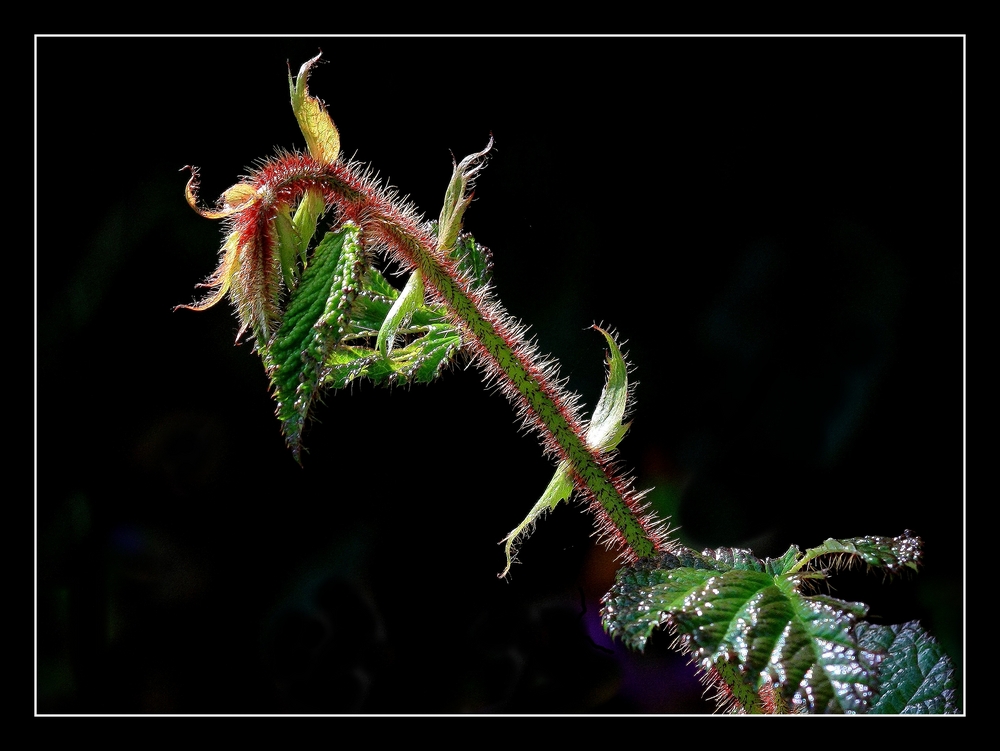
321	315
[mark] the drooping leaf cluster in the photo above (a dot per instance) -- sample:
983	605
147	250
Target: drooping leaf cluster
753	630
339	326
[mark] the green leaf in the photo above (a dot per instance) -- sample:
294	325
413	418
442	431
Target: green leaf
646	595
891	554
728	608
314	322
474	261
382	316
289	245
294	233
424	358
915	674
346	364
307	215
396	337
420	361
399	315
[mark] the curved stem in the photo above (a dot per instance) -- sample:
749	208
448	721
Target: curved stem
507	357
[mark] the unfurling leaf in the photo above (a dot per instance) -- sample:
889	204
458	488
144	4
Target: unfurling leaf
457	198
322	136
606	428
307	215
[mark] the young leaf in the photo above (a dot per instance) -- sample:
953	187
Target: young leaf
289	245
314	323
411	298
560	488
457	198
322	137
307	215
420	361
606	429
473	260
889	553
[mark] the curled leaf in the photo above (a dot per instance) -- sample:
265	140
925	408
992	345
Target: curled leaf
322	136
458	196
235	199
559	489
606	428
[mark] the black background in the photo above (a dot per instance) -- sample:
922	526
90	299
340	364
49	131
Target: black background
773	225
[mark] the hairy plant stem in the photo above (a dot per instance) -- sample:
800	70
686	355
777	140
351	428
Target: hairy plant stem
506	356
